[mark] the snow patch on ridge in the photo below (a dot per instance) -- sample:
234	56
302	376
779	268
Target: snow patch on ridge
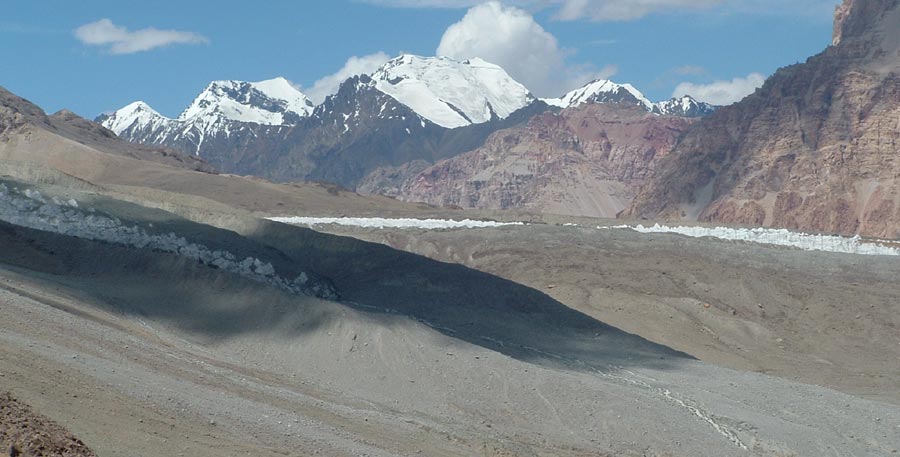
777	237
378	222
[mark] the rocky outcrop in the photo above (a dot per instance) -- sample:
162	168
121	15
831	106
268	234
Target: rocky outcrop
841	13
585	161
24	432
816	148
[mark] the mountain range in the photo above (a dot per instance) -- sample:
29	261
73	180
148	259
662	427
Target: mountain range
413	110
813	149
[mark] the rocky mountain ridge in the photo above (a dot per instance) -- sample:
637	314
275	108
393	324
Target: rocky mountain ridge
814	149
589	160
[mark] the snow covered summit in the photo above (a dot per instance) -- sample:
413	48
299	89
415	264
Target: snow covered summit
222	107
451	93
606	91
134	114
602	91
685	106
270	102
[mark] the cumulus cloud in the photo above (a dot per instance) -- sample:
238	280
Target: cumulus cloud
721	92
354	66
510	37
120	40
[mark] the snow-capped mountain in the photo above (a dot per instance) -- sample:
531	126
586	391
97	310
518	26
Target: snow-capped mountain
602	91
271	102
452	93
411	110
360	129
137	117
685	106
605	91
223	107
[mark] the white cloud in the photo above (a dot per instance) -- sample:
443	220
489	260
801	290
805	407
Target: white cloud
354	66
721	92
122	41
511	38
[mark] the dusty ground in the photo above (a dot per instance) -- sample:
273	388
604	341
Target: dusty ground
818	318
142	353
537	340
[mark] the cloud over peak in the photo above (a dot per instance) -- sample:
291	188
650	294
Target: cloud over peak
120	40
511	38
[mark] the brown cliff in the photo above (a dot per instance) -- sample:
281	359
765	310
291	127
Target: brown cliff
584	161
816	148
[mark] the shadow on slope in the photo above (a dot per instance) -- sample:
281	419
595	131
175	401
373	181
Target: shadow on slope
379	281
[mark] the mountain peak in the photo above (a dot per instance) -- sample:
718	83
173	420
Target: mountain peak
606	91
451	93
684	106
602	91
867	30
136	115
216	109
139	106
269	102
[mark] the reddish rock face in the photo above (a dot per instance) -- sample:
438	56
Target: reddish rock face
585	161
816	148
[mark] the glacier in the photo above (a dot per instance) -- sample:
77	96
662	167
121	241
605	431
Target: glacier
402	223
776	237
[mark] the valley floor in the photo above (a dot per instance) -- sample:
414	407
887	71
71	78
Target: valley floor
525	340
314	377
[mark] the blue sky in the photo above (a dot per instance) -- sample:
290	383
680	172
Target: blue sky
654	44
